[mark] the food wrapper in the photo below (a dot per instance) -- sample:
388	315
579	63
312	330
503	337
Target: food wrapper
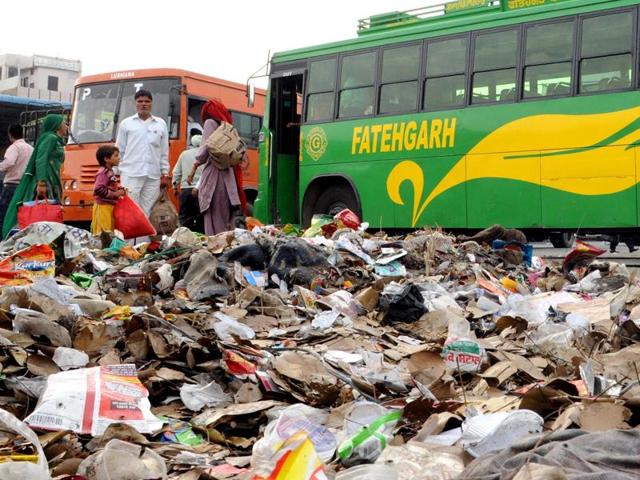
581	256
348	219
28	265
88	400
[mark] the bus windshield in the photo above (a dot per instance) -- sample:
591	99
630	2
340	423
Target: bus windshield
97	107
93	113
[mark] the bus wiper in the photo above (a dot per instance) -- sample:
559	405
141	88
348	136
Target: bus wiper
116	119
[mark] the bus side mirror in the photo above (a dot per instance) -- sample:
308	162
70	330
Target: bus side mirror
251	95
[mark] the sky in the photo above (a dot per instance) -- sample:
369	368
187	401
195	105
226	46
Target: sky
230	39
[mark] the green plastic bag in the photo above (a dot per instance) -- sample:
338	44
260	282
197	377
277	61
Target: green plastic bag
81	279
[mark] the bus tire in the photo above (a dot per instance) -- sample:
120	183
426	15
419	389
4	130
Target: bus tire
334	199
562	239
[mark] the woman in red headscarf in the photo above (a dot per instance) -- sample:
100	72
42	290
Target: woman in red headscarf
220	192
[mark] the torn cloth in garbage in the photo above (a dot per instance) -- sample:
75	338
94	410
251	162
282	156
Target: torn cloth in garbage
610	455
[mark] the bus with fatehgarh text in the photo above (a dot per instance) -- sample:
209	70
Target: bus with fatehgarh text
524	113
101	101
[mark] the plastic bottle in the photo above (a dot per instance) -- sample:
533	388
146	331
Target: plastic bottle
367	429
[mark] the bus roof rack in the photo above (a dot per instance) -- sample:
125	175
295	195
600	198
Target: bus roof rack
377	23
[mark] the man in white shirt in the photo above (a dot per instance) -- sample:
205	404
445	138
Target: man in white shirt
143	141
190	215
13	166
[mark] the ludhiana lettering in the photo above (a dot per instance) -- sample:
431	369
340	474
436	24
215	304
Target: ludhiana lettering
404	136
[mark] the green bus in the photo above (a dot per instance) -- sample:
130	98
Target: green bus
524	113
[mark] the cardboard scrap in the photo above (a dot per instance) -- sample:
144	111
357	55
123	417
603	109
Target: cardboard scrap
603	416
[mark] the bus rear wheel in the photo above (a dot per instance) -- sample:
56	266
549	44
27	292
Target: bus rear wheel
335	199
562	239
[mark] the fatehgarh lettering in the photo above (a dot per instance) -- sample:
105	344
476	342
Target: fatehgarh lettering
404	136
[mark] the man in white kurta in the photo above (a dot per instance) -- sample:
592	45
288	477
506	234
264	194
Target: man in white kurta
143	141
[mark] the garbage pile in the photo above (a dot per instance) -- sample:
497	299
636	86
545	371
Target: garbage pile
275	353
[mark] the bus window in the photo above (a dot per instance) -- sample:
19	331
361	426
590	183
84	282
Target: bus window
494	67
94	111
194	109
356	85
166	100
445	73
605	53
549	50
400	70
320	107
248	127
322	83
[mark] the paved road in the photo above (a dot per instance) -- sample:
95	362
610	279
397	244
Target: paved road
546	250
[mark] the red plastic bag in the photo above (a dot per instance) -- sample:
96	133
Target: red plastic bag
39	212
131	220
348	219
581	256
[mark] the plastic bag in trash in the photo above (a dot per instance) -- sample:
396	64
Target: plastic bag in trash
68	358
76	240
550	335
496	431
404	304
370	472
347	218
196	397
226	327
123	460
295	418
369	427
88	400
317	222
22	470
11	470
581	256
422	461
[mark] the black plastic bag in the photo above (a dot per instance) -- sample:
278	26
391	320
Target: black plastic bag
405	306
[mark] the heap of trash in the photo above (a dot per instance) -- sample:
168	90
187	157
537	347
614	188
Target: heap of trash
334	352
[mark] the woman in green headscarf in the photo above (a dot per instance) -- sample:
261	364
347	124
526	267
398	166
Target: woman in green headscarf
45	164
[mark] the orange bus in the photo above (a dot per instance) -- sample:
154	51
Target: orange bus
101	101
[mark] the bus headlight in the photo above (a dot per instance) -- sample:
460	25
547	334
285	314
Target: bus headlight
65	185
67	201
74	185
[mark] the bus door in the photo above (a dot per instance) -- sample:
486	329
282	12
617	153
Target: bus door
284	122
194	110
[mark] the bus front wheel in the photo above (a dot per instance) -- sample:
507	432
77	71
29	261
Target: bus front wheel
335	199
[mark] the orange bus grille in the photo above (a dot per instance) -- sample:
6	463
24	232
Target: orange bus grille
88	173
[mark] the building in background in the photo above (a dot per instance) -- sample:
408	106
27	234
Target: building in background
38	77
